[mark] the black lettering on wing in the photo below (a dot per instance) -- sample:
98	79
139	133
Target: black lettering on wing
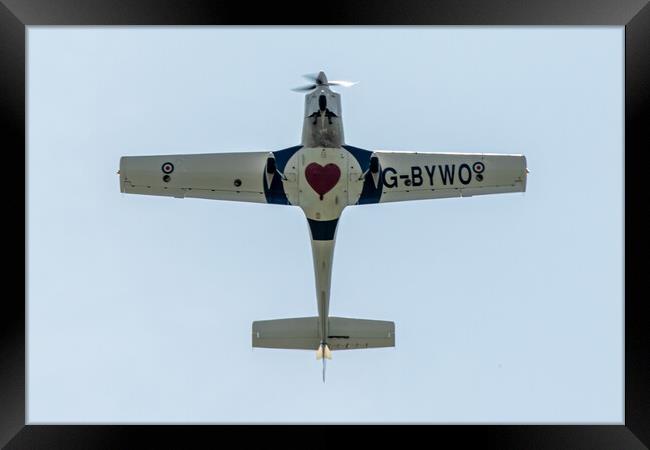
416	175
468	174
391	180
430	173
447	175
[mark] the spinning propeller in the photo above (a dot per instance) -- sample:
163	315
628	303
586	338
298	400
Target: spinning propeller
321	80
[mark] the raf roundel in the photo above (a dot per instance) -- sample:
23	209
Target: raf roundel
167	167
478	167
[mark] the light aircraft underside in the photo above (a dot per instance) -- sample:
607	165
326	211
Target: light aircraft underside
322	176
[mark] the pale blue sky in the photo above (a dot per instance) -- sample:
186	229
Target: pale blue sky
508	308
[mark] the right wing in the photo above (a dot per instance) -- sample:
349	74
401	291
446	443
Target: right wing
247	177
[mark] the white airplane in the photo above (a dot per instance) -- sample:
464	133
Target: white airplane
322	176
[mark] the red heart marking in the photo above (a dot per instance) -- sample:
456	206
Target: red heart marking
322	179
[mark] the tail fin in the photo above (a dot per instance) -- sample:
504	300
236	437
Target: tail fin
323	353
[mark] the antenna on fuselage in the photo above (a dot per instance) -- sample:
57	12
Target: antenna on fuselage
320	79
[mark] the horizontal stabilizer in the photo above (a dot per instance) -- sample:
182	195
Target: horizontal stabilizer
348	334
300	333
343	333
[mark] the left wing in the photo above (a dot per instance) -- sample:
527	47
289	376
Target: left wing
401	176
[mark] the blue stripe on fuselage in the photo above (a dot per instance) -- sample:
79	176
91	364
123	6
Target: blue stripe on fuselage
370	193
275	193
322	230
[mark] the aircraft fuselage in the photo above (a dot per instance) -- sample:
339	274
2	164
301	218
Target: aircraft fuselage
322	178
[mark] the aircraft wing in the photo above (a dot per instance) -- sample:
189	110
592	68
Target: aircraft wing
417	176
218	176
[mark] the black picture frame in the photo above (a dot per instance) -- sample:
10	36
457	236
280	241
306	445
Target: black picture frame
634	15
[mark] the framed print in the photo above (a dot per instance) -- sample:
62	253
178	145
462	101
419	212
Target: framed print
519	317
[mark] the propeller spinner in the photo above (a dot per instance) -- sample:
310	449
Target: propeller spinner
320	79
